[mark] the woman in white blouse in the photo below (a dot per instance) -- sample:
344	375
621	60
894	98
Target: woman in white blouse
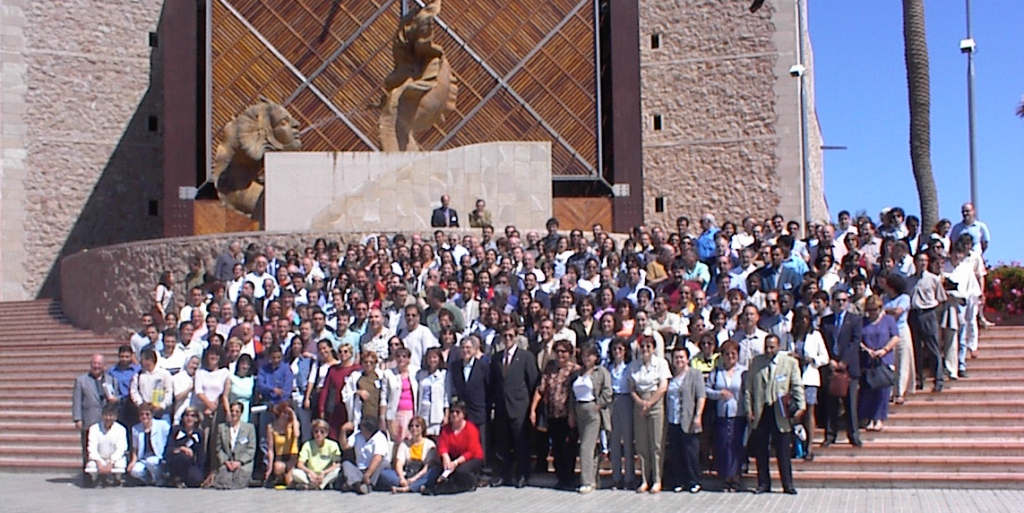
592	391
648	382
433	397
725	385
808	346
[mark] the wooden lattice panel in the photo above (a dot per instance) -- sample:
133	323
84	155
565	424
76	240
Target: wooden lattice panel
526	71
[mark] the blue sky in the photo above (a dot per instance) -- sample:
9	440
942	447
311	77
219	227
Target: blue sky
860	87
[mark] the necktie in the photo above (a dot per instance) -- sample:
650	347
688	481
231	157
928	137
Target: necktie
835	339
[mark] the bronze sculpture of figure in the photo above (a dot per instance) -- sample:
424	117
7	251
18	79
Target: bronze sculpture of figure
422	88
238	164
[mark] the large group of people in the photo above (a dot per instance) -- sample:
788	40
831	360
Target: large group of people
407	364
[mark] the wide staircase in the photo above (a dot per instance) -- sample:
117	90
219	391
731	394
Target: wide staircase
969	436
41	354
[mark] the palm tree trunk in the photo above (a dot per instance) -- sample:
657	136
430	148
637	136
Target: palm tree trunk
919	92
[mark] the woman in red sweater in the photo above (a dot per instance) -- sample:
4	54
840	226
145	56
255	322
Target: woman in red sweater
462	457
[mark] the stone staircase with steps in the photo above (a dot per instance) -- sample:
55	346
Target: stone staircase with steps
969	436
41	354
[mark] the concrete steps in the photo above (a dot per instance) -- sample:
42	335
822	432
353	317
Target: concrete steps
969	436
41	354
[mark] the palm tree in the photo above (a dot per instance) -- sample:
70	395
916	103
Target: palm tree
919	92
1020	109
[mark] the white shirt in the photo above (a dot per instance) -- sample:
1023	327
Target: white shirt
182	382
210	384
366	449
417	342
750	345
583	388
565	334
647	378
257	283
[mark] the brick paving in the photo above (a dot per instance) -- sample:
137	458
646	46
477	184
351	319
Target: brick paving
40	493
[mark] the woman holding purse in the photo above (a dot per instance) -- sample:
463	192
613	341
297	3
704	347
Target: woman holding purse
880	337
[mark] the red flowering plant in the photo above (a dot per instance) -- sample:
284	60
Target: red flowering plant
1004	291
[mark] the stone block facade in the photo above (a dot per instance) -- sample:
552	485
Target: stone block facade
721	112
397	191
80	142
81	98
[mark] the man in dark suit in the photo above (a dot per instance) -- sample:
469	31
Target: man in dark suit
469	381
444	216
514	376
779	277
842	333
531	289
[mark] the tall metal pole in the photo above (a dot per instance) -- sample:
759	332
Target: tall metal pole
969	49
805	145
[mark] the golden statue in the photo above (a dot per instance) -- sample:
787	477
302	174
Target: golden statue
421	89
238	164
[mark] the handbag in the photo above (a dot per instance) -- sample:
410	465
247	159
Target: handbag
880	376
839	382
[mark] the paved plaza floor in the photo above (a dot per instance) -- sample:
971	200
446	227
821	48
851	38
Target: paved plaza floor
40	493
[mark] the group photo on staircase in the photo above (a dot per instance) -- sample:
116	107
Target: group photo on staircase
721	348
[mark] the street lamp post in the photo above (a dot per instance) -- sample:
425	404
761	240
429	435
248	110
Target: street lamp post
800	71
967	46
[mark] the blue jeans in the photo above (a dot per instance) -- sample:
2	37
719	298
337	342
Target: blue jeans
389	478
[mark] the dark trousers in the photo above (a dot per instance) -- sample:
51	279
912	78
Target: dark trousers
512	445
924	329
184	468
768	432
463	479
563	450
833	408
684	464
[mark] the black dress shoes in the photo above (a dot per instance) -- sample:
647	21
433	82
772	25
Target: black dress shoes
521	482
828	442
762	489
856	442
789	491
497	482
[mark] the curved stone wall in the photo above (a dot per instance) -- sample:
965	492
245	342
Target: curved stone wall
107	289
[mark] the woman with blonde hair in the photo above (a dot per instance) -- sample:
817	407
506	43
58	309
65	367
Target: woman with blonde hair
185	453
413	459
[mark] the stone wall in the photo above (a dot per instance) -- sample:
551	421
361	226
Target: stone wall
107	289
729	141
81	156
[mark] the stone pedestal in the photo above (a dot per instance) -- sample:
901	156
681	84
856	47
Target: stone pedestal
370	191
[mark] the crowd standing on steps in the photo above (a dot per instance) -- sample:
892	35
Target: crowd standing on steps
434	365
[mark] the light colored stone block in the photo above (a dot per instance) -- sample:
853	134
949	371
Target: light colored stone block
361	191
